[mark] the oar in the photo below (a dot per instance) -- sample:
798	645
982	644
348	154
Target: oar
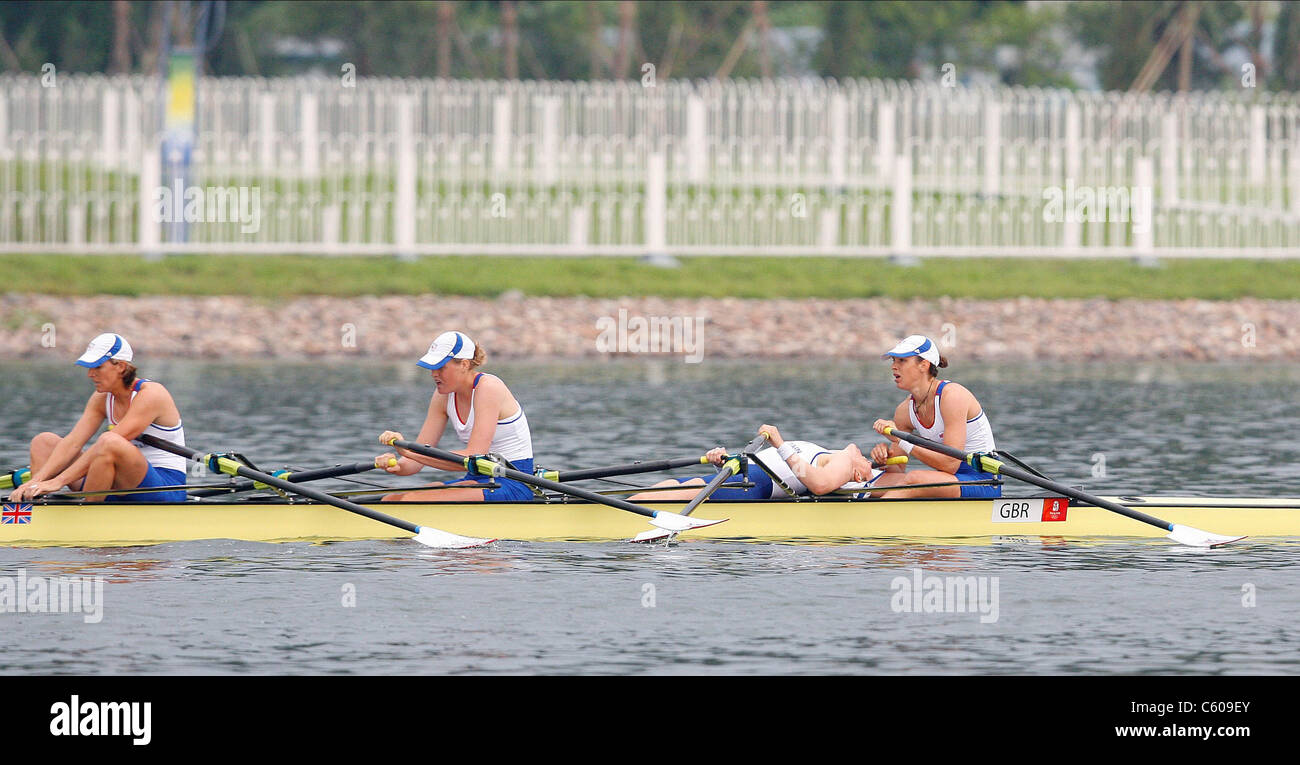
654	536
15	478
661	518
300	476
902	487
627	469
729	468
219	464
1177	532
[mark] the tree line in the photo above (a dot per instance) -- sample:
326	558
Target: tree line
1160	45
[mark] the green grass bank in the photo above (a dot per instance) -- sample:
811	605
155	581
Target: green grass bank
743	277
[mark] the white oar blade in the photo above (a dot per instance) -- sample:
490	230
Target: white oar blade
677	522
1197	538
445	540
652	535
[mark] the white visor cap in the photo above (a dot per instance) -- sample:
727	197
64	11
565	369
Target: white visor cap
105	347
447	346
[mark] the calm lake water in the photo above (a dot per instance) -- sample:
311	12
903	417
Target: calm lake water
393	607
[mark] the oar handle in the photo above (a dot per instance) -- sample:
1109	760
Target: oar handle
15	478
220	464
301	476
730	467
987	464
488	467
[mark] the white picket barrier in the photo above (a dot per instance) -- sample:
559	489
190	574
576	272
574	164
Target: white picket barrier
781	167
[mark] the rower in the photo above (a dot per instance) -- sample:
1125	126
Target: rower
116	461
955	418
801	468
485	416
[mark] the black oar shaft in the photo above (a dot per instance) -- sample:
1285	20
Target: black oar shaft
300	476
1024	475
630	468
531	480
721	477
246	472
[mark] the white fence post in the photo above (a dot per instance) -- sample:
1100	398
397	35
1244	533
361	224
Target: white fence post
579	222
109	141
1293	173
992	147
839	139
885	130
1143	209
697	157
1073	150
132	139
266	128
828	232
550	140
656	204
150	172
331	227
1169	159
405	210
310	137
1258	147
1072	236
900	213
501	133
76	224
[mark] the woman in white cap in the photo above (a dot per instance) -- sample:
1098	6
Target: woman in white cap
800	468
485	416
115	461
939	410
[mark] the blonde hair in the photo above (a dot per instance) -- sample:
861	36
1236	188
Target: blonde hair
480	355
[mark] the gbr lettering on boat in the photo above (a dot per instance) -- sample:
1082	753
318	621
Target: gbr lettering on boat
1030	510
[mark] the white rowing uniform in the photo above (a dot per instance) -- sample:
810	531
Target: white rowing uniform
155	456
770	458
512	438
979	433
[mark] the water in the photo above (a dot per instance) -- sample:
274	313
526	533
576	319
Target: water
218	607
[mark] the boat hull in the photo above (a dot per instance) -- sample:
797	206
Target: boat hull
103	525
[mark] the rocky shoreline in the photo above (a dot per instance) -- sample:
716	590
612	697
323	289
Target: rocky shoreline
513	326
